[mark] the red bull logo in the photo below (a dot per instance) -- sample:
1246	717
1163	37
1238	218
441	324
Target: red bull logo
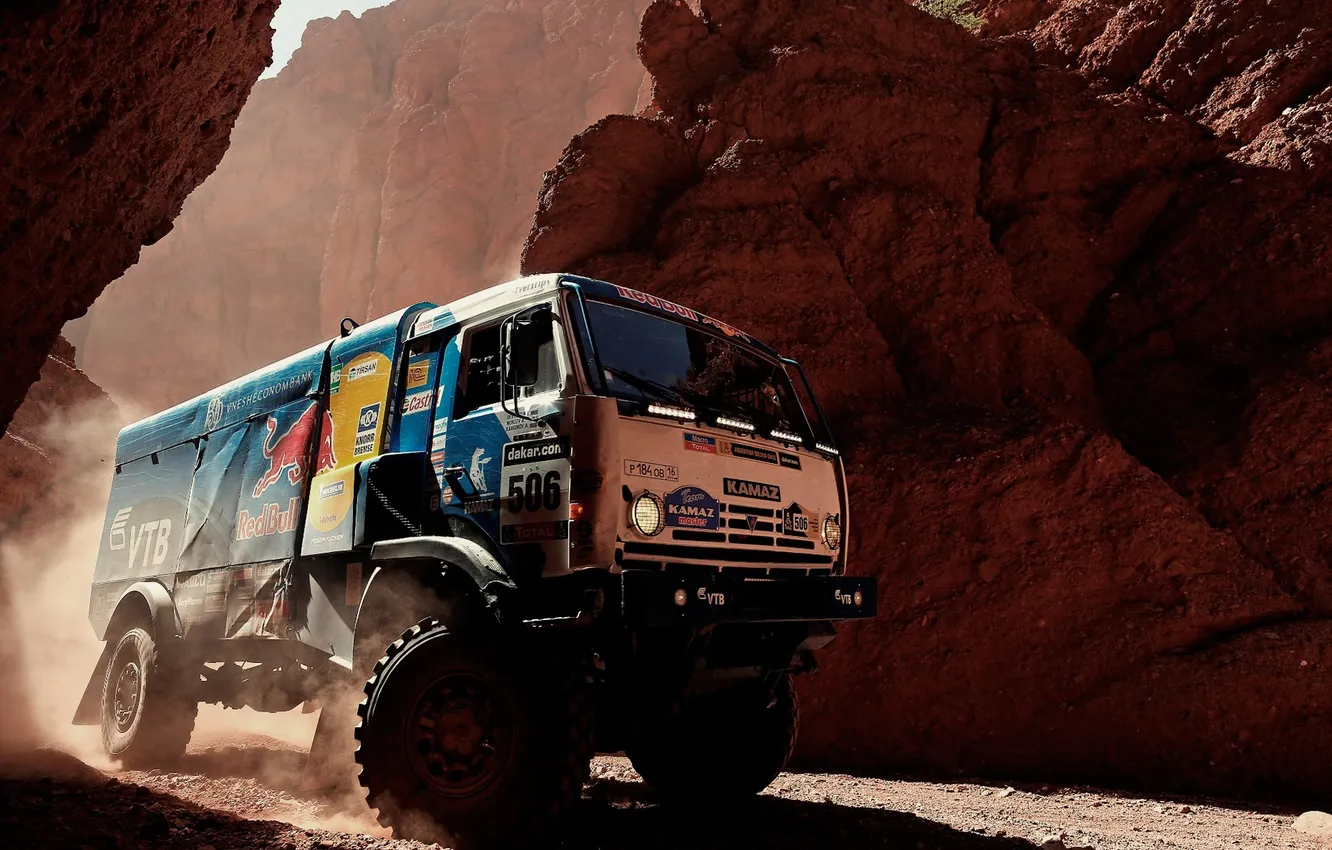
290	452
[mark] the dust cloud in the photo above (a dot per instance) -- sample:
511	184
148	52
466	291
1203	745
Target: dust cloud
47	557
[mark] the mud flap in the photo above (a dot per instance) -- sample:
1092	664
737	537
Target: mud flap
89	712
331	766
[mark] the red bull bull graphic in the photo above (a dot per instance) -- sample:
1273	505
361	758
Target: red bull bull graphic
290	452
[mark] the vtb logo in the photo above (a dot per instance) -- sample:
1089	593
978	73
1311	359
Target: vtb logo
148	542
290	452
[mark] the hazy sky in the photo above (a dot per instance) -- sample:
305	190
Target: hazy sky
293	15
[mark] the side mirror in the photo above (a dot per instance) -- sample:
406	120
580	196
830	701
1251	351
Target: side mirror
524	334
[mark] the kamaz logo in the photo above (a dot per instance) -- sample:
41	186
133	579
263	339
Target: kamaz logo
152	539
712	597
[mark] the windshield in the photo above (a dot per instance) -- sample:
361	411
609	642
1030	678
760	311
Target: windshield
653	358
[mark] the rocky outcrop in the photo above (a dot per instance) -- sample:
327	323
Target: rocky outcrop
393	160
110	117
1257	72
1011	285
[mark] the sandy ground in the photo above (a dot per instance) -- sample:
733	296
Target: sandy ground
240	788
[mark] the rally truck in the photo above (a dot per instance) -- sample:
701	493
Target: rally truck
554	518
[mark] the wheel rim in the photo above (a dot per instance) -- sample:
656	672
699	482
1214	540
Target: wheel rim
125	704
460	736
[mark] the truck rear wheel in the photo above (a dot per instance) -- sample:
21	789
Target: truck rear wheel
146	721
473	736
722	748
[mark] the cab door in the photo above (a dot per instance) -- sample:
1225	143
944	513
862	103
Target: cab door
516	463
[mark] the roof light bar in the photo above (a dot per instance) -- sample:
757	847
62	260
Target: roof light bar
738	424
787	436
671	411
826	449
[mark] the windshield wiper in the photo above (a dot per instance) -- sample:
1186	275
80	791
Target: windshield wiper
647	385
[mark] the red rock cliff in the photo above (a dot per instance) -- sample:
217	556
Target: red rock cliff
393	160
110	117
1011	290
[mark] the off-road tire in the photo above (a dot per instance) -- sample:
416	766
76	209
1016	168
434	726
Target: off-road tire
152	723
720	749
543	742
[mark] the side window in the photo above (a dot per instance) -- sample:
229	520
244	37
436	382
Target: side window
479	377
548	370
479	381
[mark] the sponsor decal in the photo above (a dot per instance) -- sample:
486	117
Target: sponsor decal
295	384
367	430
535	532
441	427
797	521
328	458
533	451
740	488
425	324
418	403
700	443
715	598
214	413
692	507
115	540
477	471
653	301
748	452
271	519
290	452
724	328
479	506
418	374
335	383
789	461
149	543
360	370
331	499
655	471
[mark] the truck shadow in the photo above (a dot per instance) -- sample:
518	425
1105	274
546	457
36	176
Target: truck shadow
618	814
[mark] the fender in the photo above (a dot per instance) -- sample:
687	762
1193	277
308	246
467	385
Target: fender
469	557
165	625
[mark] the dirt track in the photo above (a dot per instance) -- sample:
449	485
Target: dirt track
246	793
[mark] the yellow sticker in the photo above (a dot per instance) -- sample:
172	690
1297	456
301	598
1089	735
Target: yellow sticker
359	408
331	498
417	375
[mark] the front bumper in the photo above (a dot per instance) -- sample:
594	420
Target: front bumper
653	598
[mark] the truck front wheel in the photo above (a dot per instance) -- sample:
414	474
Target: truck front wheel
721	748
146	720
473	736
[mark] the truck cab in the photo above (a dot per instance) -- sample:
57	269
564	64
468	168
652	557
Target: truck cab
557	494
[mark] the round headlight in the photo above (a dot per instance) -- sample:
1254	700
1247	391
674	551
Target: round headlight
647	514
832	533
